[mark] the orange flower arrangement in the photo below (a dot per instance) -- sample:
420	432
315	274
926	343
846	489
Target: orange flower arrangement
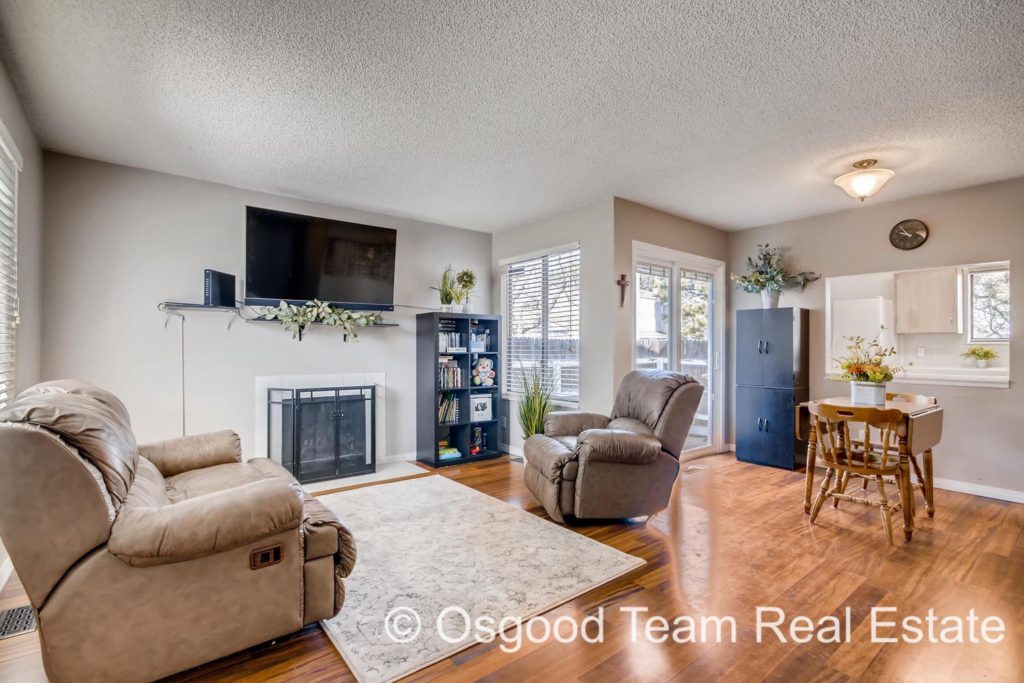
866	362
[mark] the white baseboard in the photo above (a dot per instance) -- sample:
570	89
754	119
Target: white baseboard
516	451
980	490
730	448
398	457
6	569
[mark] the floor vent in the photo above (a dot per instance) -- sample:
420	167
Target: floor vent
16	621
690	469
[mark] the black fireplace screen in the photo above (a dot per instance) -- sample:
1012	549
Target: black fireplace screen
323	433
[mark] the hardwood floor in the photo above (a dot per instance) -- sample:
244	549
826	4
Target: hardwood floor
733	538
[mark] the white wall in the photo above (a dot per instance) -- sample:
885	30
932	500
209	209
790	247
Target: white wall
981	443
592	226
30	235
119	240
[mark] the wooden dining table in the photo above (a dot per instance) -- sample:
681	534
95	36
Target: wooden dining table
920	431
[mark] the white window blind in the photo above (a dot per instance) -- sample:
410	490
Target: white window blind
8	270
541	302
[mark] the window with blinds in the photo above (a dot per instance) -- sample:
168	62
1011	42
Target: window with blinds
8	270
541	309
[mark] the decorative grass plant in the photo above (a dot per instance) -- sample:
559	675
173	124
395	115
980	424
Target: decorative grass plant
534	405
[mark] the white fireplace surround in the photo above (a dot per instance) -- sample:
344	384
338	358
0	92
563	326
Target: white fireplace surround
316	381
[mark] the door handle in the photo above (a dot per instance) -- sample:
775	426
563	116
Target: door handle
766	346
759	424
766	424
760	344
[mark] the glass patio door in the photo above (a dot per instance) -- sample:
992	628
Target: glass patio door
675	331
695	350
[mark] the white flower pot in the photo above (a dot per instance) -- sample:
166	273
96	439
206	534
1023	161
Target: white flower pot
770	299
982	363
867	394
447	308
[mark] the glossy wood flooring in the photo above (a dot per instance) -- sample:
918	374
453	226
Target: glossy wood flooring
734	538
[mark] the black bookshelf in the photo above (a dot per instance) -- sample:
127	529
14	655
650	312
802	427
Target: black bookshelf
448	348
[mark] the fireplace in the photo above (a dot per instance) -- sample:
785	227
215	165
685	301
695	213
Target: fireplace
323	432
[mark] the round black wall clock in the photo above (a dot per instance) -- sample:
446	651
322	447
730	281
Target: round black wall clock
908	234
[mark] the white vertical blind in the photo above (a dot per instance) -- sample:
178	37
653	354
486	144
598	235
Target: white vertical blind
541	302
8	270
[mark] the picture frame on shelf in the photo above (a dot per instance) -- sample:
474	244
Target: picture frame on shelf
481	408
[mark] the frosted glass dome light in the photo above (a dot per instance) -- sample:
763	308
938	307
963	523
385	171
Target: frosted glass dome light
865	181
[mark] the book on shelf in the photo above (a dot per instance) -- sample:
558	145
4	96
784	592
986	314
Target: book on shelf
450	342
448	454
448	409
479	340
449	373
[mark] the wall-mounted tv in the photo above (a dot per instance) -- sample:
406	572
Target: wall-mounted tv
298	258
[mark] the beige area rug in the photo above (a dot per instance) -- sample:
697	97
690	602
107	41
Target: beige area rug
430	543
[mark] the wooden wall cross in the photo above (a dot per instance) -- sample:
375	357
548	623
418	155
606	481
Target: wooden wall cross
622	282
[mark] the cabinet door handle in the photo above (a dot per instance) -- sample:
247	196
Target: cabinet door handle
766	424
760	344
766	346
758	424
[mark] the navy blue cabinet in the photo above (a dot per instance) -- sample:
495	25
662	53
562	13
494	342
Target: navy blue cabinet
771	379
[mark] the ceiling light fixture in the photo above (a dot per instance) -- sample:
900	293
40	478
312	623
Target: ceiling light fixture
865	181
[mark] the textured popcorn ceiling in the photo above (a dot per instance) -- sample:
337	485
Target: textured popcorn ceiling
490	114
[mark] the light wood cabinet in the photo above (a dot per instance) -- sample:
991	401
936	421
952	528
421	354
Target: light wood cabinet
929	302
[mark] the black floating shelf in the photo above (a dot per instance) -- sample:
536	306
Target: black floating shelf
179	306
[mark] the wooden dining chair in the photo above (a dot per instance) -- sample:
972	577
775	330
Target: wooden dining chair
874	456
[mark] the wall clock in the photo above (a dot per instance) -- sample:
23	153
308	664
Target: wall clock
908	234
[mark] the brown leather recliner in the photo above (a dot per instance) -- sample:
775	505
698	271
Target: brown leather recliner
144	561
591	466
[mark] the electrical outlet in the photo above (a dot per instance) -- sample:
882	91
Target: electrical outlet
920	352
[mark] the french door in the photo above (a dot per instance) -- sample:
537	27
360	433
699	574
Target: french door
678	325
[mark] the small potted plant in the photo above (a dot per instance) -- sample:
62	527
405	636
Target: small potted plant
466	281
980	354
455	288
769	276
447	289
866	370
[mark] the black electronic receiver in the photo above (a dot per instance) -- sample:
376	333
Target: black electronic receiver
218	288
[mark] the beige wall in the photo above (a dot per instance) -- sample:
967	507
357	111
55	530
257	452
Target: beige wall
636	222
606	231
120	240
591	226
982	442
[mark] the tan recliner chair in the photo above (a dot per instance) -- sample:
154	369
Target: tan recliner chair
591	466
144	561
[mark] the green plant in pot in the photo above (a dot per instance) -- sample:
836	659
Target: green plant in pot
768	275
296	319
454	288
981	355
534	404
466	280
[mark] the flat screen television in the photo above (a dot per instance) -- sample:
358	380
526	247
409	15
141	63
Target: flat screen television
298	258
